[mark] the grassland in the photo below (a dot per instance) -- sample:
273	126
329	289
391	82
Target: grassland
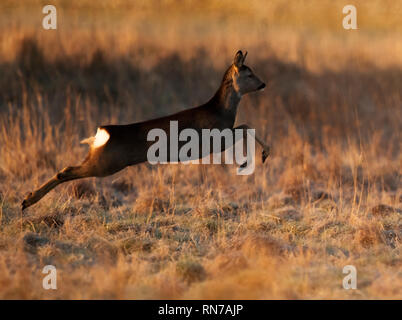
330	195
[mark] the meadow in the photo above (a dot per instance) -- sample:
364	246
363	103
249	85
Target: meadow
329	195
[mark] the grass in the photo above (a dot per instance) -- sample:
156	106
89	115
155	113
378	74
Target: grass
329	196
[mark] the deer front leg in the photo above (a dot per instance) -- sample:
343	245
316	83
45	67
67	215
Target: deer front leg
265	148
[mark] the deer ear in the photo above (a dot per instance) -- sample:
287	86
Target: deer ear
238	59
244	56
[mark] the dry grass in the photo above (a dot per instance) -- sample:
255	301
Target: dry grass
329	196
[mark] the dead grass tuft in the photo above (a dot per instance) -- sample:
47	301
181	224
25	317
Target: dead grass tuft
190	271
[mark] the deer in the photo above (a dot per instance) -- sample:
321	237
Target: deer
115	147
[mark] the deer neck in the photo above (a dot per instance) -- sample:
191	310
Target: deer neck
227	98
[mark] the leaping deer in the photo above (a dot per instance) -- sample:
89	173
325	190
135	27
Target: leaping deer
115	147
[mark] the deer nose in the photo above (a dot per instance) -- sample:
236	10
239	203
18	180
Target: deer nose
262	86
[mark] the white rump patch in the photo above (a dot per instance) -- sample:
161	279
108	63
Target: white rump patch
101	137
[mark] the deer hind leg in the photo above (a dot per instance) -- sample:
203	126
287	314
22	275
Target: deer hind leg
67	174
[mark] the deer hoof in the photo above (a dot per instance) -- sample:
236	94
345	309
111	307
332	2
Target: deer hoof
265	155
26	202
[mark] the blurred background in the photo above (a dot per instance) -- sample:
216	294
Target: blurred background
124	61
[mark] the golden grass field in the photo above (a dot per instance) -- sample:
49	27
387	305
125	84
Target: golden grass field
330	194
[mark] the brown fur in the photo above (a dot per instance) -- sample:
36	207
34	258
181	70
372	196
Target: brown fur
128	145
